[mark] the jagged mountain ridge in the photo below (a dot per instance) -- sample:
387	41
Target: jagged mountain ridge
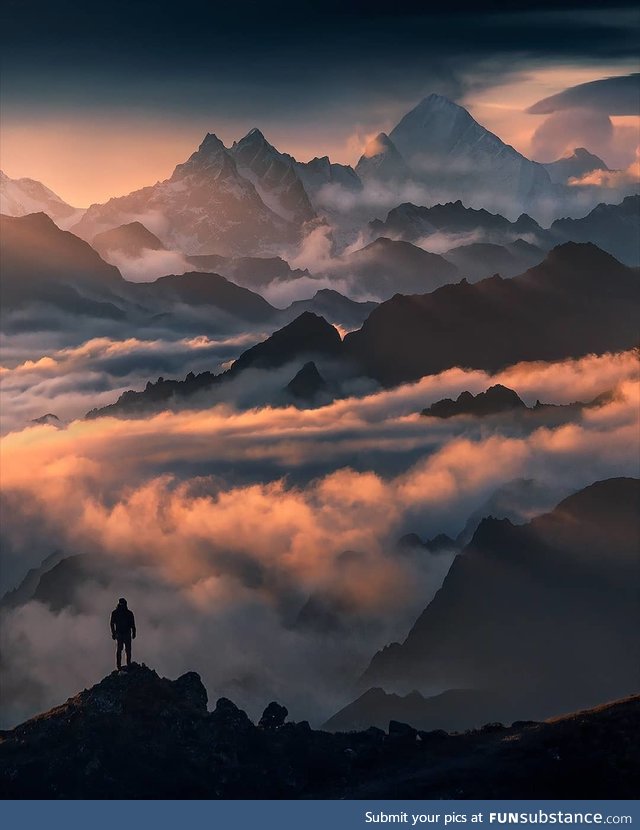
486	325
610	226
583	300
48	269
206	206
275	177
307	336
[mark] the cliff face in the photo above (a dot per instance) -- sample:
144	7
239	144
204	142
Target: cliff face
137	735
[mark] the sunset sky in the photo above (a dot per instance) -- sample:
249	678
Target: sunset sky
96	108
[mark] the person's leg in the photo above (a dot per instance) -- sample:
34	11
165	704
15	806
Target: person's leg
119	653
127	648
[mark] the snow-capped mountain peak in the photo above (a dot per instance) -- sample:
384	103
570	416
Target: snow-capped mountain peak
19	197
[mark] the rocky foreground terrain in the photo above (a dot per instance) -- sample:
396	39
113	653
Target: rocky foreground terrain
137	735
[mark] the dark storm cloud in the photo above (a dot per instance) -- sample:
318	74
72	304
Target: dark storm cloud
284	57
613	96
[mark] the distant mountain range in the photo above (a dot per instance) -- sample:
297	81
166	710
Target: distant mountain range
251	199
386	267
611	227
487	325
499	399
47	268
207	206
482	243
308	336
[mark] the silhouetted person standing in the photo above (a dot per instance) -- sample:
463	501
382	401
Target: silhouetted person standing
123	630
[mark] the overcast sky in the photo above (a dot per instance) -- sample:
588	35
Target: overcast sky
99	98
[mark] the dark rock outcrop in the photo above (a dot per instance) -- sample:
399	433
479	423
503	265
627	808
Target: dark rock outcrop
273	716
496	399
138	735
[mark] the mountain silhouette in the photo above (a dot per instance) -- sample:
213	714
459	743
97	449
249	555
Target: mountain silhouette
577	301
308	384
614	228
198	289
132	240
496	399
307	336
456	220
478	260
334	307
544	612
386	267
41	263
574	165
251	272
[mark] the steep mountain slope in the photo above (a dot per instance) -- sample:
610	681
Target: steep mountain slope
307	385
41	263
579	300
544	612
307	334
206	206
89	747
274	175
19	197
